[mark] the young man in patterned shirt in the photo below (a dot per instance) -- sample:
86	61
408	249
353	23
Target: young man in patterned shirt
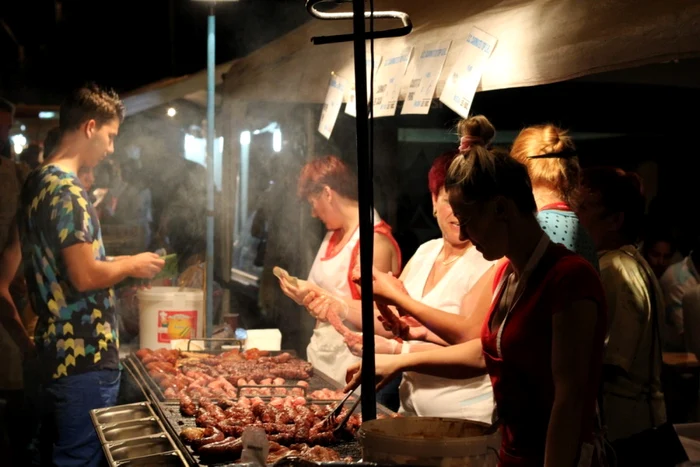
70	281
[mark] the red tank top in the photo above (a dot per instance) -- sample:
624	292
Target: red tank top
521	368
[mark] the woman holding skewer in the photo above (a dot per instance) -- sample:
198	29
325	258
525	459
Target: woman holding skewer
440	274
542	341
330	187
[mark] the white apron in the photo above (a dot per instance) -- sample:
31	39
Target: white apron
431	396
327	350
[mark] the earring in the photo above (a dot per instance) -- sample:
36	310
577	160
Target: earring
435	213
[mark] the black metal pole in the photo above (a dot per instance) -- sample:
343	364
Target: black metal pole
365	195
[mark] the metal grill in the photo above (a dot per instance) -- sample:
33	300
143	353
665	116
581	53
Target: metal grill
169	412
317	381
173	418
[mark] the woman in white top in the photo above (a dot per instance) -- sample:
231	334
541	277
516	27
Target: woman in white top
330	187
440	274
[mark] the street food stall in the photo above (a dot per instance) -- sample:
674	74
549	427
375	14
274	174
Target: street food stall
197	405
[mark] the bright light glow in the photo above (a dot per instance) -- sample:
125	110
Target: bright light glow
277	140
19	141
47	115
256	132
23	128
172	112
245	138
196	151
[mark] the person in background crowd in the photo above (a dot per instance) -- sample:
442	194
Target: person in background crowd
70	280
132	172
330	187
658	249
678	279
612	209
7	119
16	344
86	175
691	320
33	155
542	341
51	141
124	202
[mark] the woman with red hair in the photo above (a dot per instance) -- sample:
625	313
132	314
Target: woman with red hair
440	274
330	187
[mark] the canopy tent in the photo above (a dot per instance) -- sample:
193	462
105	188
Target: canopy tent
539	42
190	87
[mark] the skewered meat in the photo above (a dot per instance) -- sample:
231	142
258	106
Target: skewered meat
285	420
228	448
187	406
393	322
200	374
327	395
303	451
210	435
189	435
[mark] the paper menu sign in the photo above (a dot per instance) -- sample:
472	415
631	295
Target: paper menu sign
351	107
388	83
461	84
429	61
334	99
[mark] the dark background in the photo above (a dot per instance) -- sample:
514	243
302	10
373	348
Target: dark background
125	44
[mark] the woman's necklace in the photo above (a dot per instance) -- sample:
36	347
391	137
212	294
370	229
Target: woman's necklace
445	262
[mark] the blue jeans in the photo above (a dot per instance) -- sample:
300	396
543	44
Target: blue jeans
69	438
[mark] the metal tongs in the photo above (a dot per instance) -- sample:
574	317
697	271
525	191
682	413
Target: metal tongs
332	418
406	27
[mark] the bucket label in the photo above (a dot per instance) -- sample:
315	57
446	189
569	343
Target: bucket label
176	325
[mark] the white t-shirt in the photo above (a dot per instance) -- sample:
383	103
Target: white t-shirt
430	396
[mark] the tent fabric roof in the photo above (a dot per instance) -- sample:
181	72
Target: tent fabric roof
539	42
169	89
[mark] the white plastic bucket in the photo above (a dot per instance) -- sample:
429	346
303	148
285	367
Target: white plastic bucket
167	313
429	441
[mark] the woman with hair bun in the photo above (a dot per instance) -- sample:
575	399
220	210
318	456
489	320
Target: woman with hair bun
549	157
330	187
542	340
552	163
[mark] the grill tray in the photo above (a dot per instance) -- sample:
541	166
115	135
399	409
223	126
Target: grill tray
173	418
169	413
317	381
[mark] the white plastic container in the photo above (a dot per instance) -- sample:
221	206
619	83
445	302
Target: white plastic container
429	441
166	314
264	339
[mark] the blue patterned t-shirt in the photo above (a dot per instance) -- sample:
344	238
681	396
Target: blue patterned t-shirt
76	331
564	227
